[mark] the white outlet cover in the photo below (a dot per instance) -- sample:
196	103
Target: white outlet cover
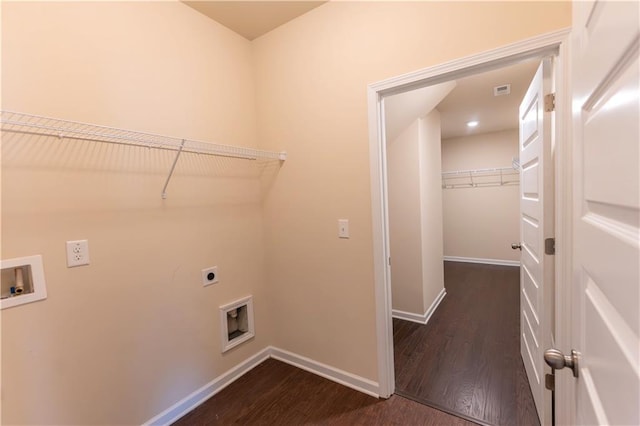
209	276
77	253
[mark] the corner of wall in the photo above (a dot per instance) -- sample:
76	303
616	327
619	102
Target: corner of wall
431	207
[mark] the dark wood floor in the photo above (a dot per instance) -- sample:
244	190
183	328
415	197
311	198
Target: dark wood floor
275	393
466	359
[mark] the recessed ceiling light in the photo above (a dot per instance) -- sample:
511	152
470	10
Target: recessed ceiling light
472	123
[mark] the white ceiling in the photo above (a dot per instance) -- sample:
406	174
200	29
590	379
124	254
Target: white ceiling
473	99
251	19
469	98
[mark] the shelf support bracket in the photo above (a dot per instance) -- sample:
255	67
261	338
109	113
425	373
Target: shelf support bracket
173	167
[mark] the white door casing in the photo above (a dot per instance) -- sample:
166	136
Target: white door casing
606	222
535	47
536	224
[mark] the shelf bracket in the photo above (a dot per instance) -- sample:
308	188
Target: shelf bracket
173	167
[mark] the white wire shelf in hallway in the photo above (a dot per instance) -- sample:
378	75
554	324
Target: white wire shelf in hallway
497	176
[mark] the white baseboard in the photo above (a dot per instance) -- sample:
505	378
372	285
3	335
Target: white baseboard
500	262
420	319
339	376
188	403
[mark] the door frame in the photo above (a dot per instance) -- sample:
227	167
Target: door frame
556	43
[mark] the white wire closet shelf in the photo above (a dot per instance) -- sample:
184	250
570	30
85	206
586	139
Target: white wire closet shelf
17	122
497	176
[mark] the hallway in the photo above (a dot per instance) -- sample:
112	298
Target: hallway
466	360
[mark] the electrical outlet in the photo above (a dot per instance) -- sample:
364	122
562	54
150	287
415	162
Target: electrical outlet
77	253
209	276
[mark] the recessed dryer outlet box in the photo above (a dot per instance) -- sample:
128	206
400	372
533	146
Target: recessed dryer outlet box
209	276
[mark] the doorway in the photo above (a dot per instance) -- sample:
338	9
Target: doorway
457	326
552	44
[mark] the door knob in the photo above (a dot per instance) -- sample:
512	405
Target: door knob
557	360
516	246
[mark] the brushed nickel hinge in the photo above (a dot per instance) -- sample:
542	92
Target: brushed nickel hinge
550	382
550	102
550	246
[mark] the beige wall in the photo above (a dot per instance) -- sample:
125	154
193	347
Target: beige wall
431	208
311	80
481	222
415	215
121	340
405	220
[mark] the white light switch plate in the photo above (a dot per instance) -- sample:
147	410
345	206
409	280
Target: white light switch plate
343	228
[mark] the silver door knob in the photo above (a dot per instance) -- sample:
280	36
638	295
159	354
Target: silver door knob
557	360
516	246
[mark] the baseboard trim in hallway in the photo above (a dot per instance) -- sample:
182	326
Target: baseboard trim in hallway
499	262
420	319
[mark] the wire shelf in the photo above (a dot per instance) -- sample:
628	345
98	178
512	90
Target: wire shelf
29	124
499	176
17	122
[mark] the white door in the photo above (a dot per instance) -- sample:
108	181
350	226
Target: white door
536	224
606	295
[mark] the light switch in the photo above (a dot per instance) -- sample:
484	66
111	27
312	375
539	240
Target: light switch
343	228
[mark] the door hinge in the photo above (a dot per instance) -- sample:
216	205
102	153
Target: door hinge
550	102
550	382
389	260
550	246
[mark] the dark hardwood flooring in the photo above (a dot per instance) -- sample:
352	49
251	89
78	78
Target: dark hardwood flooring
466	359
275	393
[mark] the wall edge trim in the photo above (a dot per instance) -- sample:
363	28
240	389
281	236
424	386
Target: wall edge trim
500	262
342	377
420	318
196	398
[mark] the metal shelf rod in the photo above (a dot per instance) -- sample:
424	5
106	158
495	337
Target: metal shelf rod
173	167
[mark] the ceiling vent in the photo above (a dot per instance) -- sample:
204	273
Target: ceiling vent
505	89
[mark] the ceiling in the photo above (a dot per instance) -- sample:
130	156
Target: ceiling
251	19
471	98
